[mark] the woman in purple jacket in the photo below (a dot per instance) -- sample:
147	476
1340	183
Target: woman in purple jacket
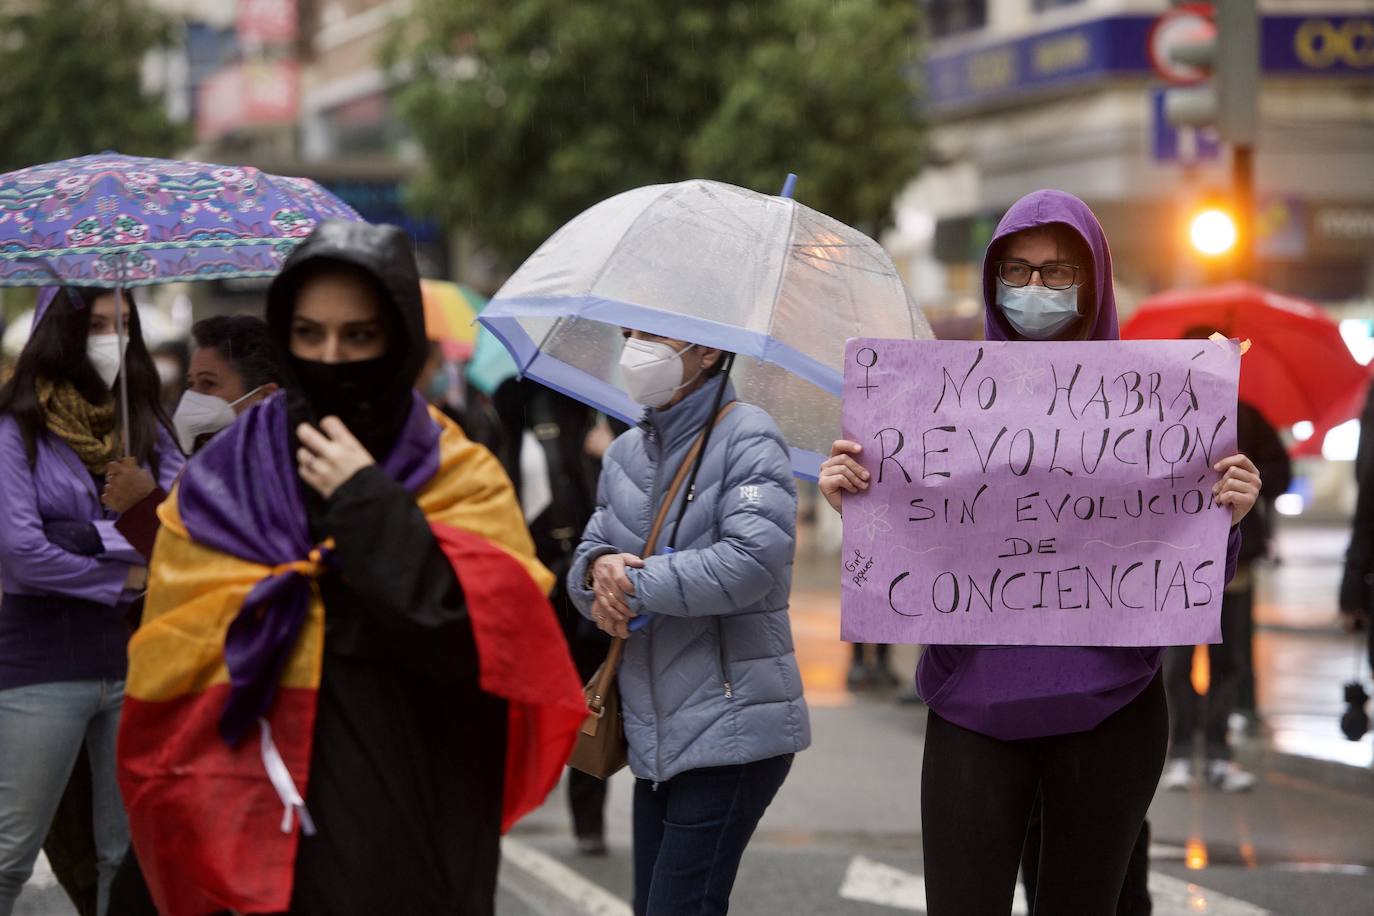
1082	728
66	573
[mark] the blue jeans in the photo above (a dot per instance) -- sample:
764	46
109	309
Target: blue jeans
690	833
42	727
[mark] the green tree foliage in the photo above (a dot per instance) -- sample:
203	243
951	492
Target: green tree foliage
530	111
71	81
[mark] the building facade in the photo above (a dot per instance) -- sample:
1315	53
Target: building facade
1024	94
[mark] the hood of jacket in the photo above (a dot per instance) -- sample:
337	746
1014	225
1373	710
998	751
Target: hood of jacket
1041	208
385	255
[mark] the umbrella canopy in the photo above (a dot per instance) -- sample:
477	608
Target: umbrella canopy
764	277
450	315
1299	366
114	220
1346	408
117	221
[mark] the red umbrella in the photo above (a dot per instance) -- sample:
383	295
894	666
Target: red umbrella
1347	408
1299	367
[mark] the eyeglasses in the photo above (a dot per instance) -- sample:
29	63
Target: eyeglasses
1015	273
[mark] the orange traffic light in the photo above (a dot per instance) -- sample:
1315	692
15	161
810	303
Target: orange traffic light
1213	232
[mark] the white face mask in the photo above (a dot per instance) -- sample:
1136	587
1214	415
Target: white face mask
1038	312
653	371
201	414
104	353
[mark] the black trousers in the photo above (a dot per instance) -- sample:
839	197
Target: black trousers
1094	789
1135	889
1191	712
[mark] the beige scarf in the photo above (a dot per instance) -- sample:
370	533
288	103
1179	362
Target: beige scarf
88	428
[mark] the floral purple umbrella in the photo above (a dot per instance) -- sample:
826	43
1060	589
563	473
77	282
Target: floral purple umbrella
114	220
111	220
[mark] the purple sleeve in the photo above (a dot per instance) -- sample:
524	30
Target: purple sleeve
1232	554
30	560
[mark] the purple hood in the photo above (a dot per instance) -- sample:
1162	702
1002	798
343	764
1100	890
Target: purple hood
1014	692
1040	208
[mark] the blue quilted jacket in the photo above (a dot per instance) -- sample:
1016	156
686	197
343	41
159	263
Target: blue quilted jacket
712	680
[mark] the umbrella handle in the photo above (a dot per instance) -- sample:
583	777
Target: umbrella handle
123	376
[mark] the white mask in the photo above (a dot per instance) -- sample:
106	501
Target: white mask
652	371
199	414
1038	312
104	353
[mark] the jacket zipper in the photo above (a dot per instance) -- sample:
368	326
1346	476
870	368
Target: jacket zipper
724	669
649	630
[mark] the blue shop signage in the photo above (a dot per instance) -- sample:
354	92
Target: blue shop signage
1314	45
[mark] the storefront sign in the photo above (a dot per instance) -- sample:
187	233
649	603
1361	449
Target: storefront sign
1334	45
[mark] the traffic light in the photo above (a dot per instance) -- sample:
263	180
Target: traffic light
1213	232
1226	95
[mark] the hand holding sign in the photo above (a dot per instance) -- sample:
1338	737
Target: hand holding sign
1066	493
1239	487
840	472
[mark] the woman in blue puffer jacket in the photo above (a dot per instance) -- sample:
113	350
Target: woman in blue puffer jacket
709	685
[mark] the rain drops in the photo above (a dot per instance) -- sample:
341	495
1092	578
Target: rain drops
496	96
539	59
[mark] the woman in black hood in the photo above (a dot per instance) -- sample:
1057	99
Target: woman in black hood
400	625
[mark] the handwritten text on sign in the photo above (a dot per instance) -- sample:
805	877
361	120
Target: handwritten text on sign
1037	493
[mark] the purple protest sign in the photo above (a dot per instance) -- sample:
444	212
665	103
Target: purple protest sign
1051	494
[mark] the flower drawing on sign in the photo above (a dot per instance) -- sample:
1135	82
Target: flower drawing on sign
874	520
1024	374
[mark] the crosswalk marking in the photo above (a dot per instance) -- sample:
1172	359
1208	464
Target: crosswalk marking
869	881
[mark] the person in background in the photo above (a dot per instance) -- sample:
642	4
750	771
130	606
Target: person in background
1228	660
67	574
450	393
1261	441
865	673
553	447
1077	733
233	367
400	692
710	688
1357	580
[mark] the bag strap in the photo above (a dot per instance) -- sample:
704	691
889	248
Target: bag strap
670	495
607	671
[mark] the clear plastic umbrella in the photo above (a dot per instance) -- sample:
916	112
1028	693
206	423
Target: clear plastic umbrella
764	277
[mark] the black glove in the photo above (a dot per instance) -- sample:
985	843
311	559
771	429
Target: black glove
76	537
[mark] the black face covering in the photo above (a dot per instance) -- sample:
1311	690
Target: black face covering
358	393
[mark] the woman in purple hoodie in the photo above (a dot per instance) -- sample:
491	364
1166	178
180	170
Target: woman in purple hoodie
1084	729
67	574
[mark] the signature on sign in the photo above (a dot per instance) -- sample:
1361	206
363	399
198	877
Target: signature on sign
859	566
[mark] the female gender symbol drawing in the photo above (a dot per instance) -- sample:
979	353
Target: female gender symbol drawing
867	386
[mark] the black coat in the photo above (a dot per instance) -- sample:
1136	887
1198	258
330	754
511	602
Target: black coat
407	765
